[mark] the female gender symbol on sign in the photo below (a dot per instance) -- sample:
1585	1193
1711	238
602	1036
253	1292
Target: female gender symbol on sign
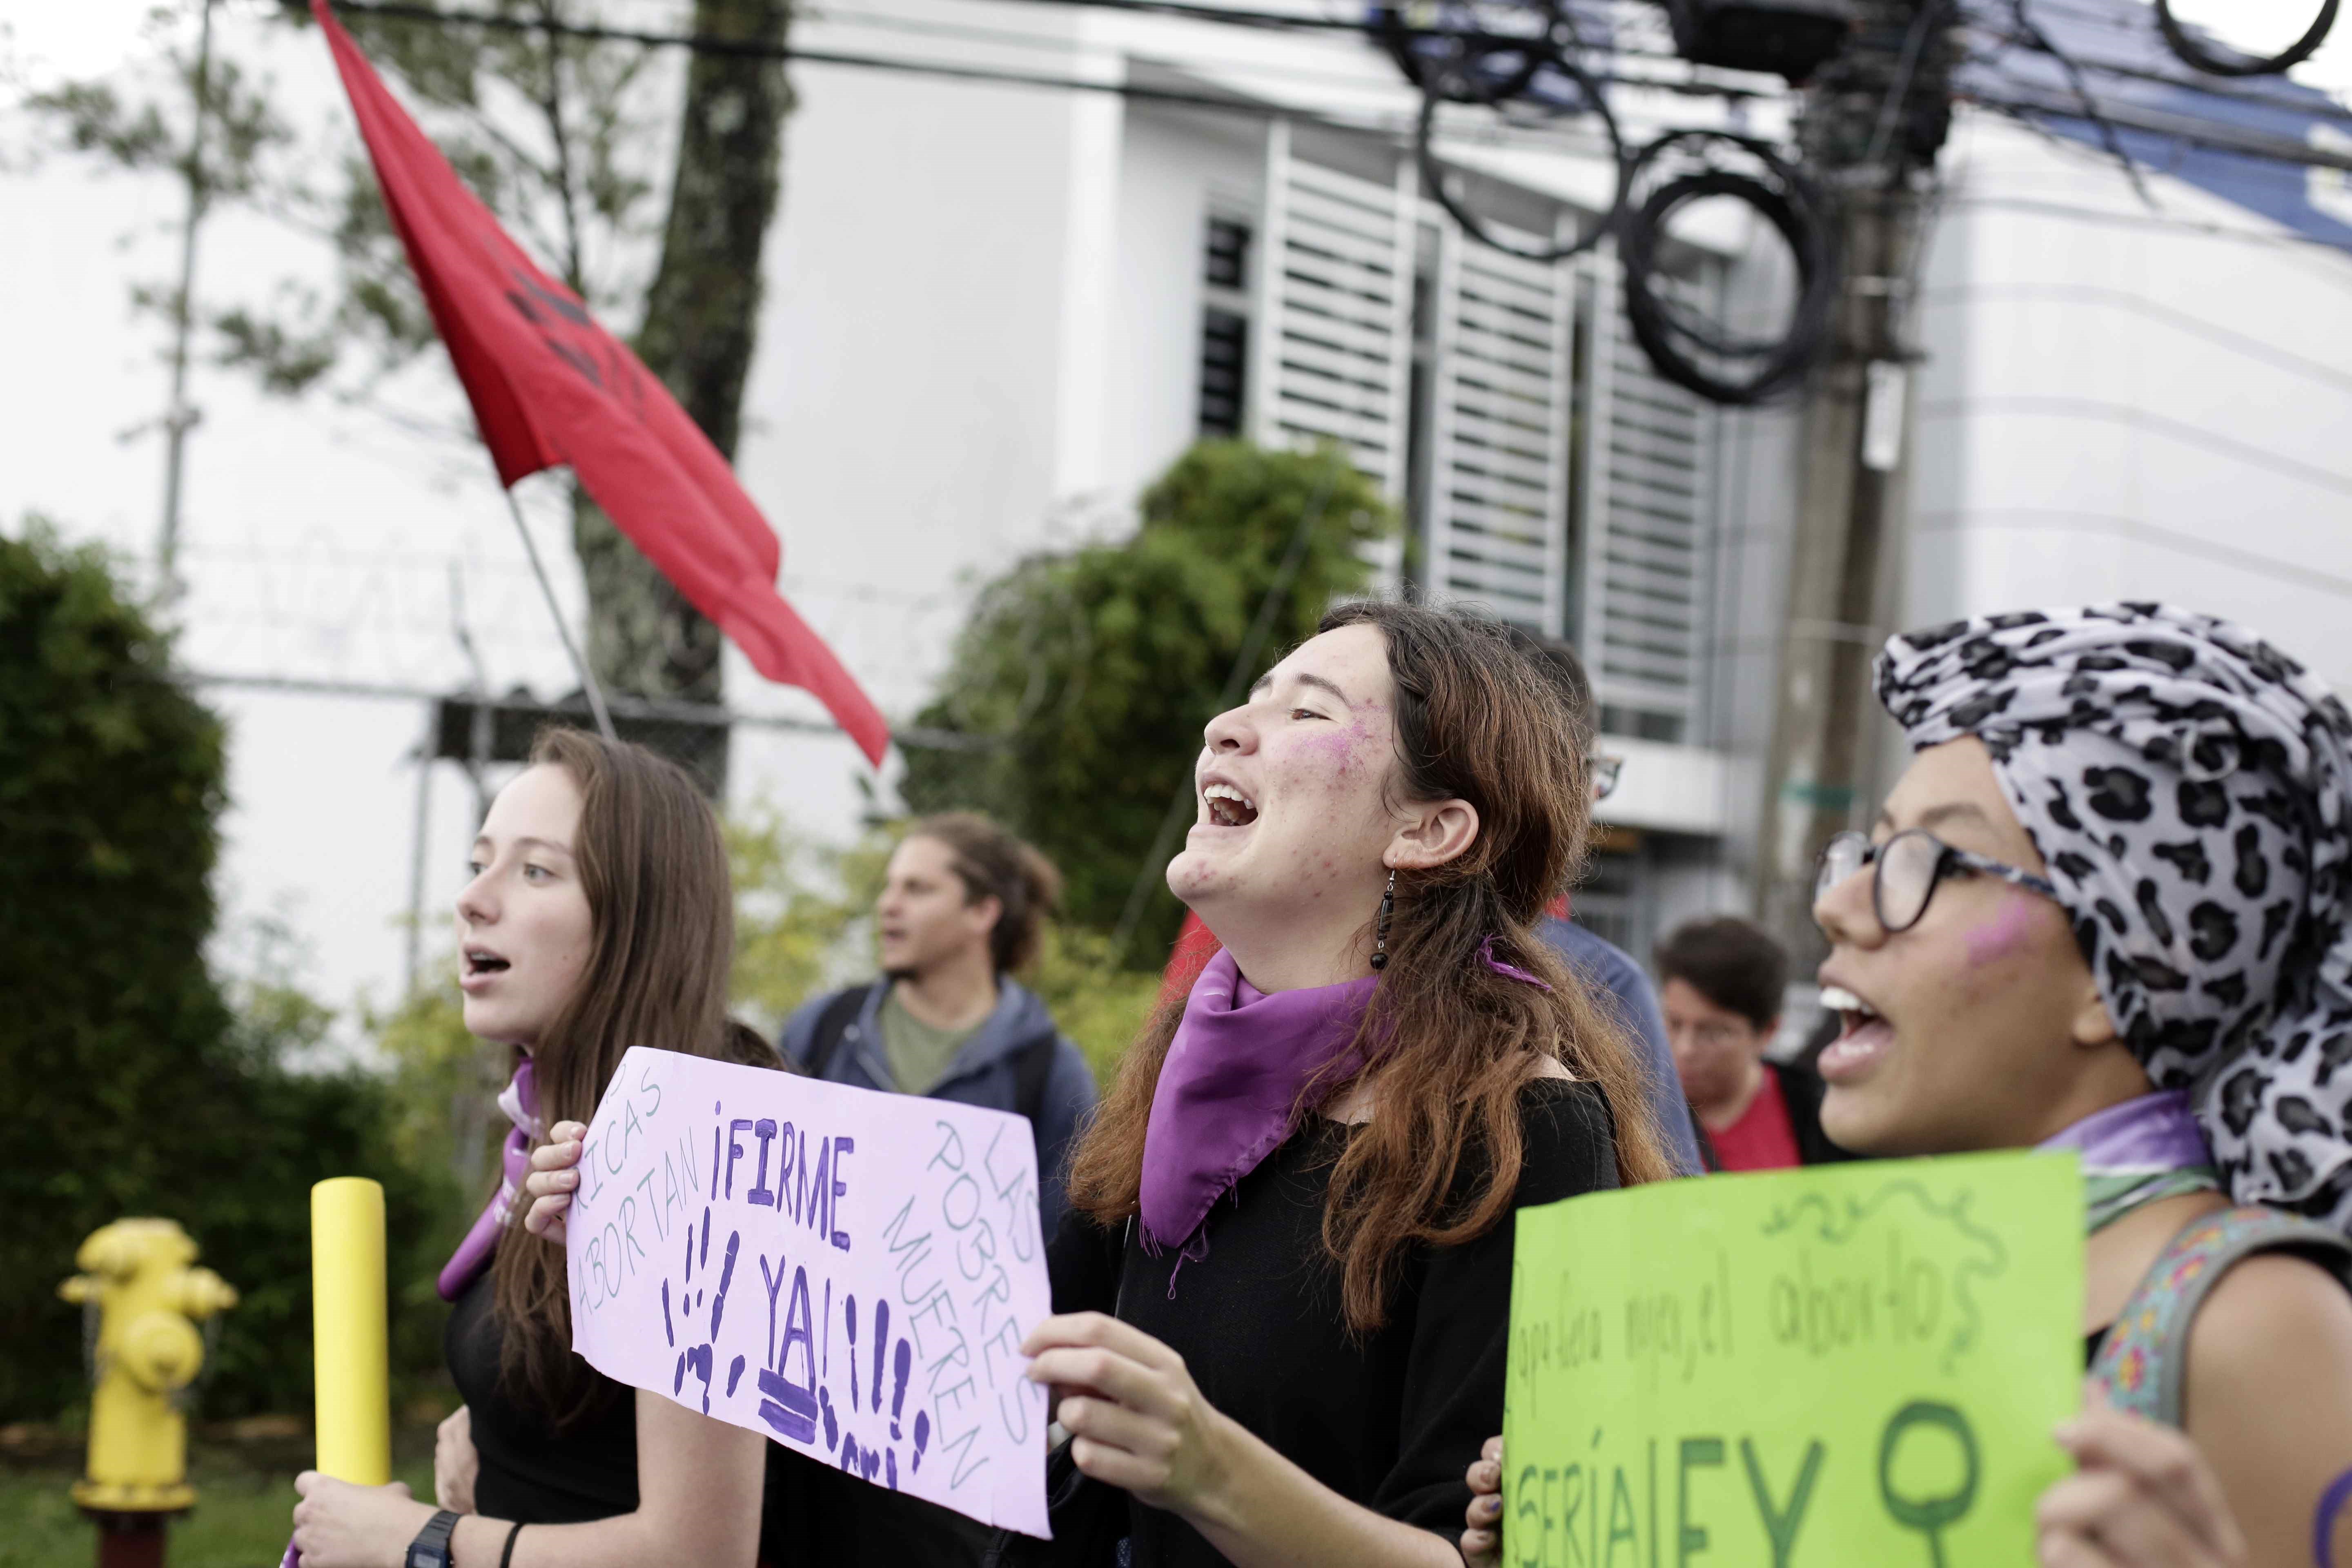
1929	1516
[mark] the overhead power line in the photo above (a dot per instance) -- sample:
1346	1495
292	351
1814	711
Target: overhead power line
2327	109
2187	130
714	44
709	43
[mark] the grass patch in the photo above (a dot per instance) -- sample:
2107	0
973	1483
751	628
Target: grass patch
245	1504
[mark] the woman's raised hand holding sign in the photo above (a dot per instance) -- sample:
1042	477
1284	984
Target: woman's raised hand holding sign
552	1179
1136	1417
2144	1496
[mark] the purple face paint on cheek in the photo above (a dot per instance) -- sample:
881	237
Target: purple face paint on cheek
1340	749
2009	930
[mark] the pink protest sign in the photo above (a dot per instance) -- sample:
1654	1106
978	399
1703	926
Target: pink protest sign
849	1273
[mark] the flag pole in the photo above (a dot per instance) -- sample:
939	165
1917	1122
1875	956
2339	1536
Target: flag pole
579	664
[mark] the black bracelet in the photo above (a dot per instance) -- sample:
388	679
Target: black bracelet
506	1556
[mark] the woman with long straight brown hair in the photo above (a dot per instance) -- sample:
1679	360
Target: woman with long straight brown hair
600	915
1291	1221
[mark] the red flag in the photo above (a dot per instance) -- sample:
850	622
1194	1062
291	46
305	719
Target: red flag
550	386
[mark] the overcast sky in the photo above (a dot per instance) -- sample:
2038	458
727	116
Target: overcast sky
320	540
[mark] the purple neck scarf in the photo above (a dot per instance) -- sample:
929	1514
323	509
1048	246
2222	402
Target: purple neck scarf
2137	1152
519	1100
1228	1092
2153	1132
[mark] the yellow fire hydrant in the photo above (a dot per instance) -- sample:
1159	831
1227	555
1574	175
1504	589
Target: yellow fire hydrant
150	1299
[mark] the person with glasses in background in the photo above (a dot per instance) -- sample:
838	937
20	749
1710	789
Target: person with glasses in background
2108	908
1720	982
1599	962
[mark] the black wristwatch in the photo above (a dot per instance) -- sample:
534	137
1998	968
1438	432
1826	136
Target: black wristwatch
431	1547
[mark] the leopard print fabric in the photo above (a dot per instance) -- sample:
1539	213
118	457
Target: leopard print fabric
2188	786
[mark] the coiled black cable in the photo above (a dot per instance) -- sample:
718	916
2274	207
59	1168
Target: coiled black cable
1679	341
2229	62
1459	56
1439	181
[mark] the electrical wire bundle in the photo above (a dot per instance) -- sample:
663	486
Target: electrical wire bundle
1475	51
1687	346
2194	50
1517	58
1521	57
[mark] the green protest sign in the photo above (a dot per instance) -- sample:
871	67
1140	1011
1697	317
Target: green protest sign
1802	1369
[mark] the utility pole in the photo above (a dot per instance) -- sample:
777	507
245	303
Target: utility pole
179	418
1873	121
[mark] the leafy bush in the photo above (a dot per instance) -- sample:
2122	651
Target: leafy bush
1098	667
800	911
133	1087
1101	1005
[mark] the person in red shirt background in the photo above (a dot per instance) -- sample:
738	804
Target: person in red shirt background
1719	984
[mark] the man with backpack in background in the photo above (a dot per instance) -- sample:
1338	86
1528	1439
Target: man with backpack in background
963	906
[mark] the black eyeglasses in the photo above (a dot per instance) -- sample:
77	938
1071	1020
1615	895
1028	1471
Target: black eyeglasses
1606	771
1909	865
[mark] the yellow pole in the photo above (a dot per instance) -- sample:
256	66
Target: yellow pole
352	1372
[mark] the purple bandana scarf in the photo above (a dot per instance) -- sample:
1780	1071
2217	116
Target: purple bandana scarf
1228	1092
519	1100
2137	1152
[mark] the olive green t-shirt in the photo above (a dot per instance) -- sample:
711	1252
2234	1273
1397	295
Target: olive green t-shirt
918	1054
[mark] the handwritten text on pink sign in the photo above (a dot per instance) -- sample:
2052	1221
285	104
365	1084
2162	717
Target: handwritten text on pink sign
849	1273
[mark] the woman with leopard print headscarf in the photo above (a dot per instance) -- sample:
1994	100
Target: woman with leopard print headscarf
2105	908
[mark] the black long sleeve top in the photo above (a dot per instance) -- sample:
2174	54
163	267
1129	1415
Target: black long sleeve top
1390	1420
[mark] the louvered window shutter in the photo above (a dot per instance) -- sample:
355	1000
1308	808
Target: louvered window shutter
1334	351
1498	490
1645	470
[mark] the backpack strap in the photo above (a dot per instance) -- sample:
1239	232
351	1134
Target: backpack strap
833	1027
2142	1367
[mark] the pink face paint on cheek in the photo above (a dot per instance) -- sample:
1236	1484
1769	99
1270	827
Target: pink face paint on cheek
2009	930
1338	755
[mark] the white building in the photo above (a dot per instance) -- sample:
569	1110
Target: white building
2127	401
996	313
1052	293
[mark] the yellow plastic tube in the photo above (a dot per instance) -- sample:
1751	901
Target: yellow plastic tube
353	1365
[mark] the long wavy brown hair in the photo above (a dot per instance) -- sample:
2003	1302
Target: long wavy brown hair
661	908
1449	1040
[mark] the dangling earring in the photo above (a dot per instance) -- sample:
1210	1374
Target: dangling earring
1380	928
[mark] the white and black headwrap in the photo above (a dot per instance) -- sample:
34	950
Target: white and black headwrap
2188	786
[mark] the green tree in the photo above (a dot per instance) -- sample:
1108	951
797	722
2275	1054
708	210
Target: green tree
1098	667
134	1084
799	912
548	127
1100	1004
552	129
212	130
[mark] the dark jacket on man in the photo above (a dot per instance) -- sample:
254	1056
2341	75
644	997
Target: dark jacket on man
1017	1061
